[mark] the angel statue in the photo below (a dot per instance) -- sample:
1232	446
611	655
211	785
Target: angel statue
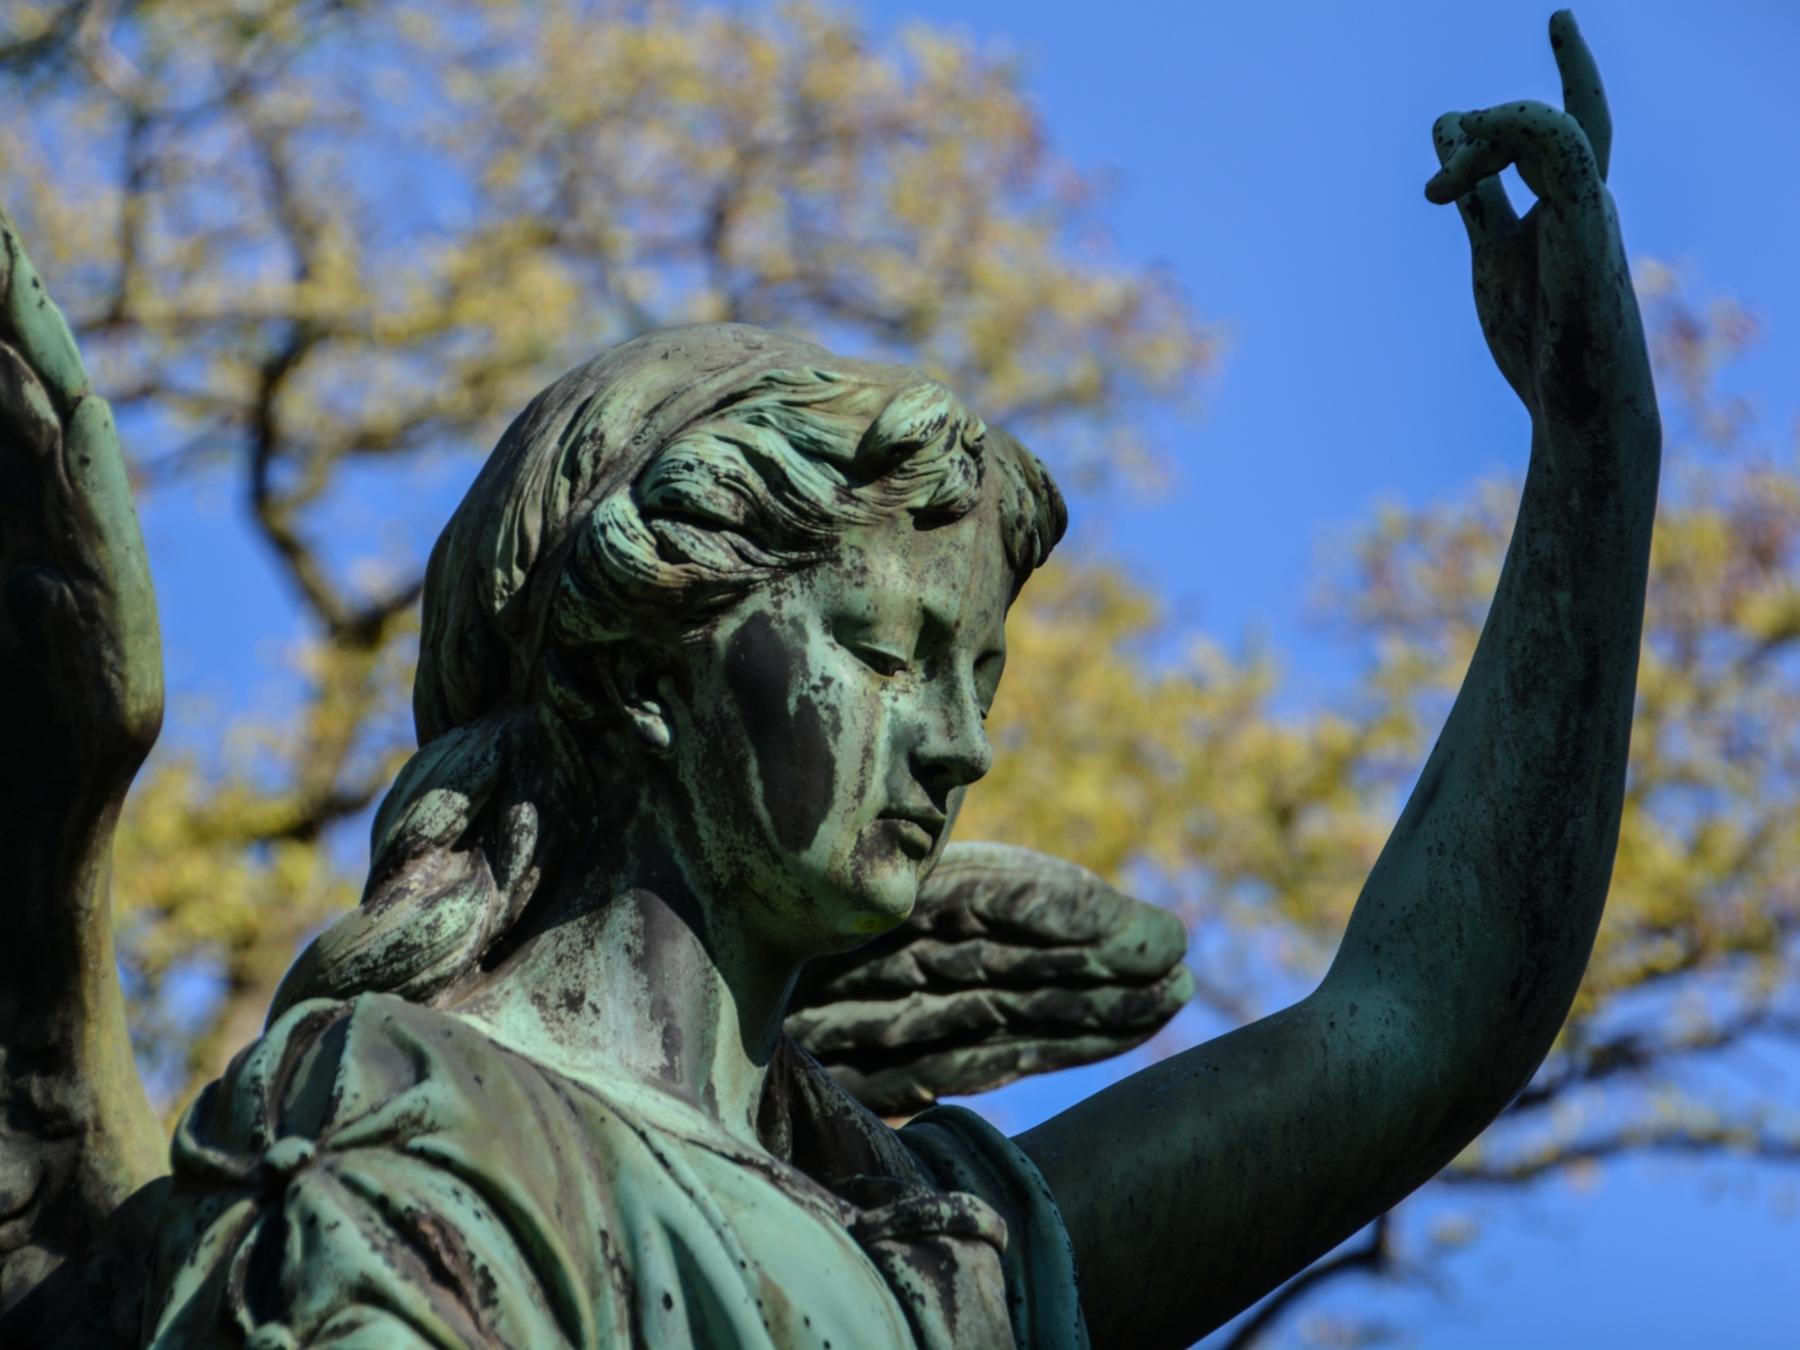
667	886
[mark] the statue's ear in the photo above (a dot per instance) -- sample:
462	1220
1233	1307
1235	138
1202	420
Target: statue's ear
638	682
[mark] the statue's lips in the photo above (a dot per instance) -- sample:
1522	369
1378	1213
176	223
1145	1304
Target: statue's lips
917	831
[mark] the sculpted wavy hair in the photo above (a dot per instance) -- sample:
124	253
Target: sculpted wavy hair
634	500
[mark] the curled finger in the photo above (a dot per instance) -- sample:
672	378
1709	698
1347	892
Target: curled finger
1471	161
1486	213
1548	145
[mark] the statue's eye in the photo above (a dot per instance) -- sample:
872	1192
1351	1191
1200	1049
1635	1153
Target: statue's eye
880	661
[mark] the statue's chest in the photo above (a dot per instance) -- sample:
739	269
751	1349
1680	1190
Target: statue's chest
776	1261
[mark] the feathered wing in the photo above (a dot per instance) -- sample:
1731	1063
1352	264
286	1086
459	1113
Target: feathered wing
80	705
1012	963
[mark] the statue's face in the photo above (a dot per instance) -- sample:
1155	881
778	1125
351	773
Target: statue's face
828	726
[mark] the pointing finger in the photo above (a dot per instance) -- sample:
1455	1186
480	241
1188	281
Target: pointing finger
1584	97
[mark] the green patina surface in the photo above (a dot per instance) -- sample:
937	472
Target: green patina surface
707	652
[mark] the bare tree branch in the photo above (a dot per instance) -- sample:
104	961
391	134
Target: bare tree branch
1744	1141
1638	1052
1373	1255
26	53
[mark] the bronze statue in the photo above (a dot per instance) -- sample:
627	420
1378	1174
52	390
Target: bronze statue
706	655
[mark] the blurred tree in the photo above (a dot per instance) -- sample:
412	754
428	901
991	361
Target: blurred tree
316	246
1265	826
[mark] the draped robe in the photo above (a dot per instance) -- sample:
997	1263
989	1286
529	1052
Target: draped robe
377	1173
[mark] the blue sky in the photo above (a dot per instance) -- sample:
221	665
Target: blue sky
1272	157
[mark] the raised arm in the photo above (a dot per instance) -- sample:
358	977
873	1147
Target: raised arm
1196	1186
81	670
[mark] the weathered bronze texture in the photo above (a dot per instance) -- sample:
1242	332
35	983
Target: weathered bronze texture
707	650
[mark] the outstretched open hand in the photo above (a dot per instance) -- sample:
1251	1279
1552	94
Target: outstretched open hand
1553	287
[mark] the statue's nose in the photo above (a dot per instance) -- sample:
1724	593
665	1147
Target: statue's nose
952	748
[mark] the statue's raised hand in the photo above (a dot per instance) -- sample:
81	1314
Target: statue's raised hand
79	651
1232	1166
81	675
1552	287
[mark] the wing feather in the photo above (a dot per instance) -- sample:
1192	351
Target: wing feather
1012	963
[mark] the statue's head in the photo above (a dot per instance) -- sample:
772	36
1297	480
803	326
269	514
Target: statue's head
722	582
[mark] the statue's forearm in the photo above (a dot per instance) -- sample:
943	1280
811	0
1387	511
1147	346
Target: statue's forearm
1480	913
90	1138
1243	1159
80	661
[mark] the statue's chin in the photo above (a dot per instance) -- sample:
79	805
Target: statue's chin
854	918
891	858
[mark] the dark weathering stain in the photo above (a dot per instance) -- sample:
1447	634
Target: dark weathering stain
793	752
1570	384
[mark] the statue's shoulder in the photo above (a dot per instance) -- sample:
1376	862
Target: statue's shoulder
418	1180
376	1067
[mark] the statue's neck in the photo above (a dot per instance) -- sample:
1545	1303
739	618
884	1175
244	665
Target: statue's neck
629	981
